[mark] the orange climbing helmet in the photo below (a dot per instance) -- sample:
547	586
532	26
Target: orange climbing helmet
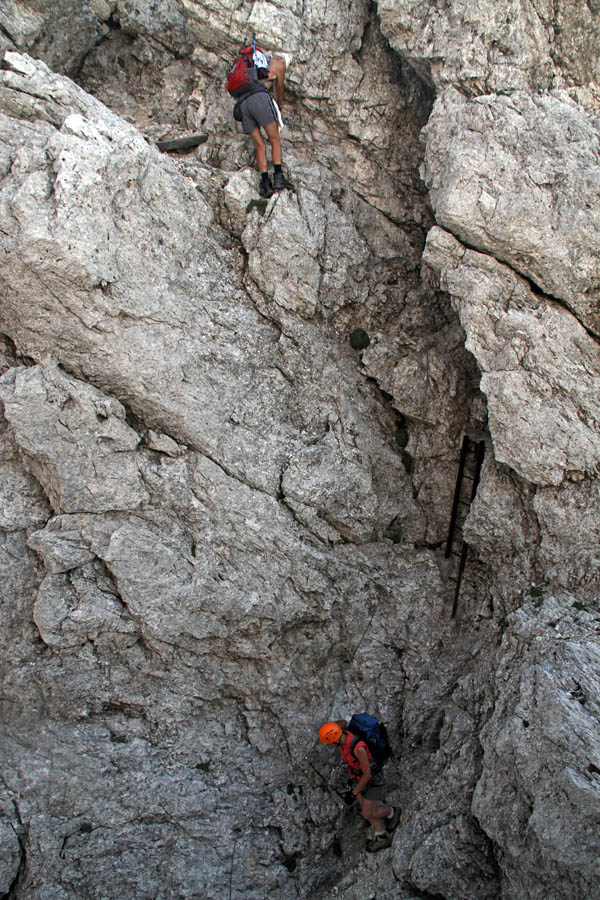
329	733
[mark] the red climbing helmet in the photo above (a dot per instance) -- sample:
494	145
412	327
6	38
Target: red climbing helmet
329	733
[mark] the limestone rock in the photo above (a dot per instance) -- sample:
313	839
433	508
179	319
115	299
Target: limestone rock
142	294
52	419
493	47
503	527
103	9
61	35
72	609
518	177
541	748
240	195
142	69
118	582
162	443
22	501
355	510
223	519
323	254
540	367
166	21
271	269
427	377
11	855
569	518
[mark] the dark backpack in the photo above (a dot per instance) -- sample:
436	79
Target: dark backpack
368	729
243	75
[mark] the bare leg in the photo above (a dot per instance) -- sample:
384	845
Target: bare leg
273	135
374	812
261	150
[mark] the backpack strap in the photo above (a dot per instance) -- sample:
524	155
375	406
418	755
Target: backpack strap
373	764
353	743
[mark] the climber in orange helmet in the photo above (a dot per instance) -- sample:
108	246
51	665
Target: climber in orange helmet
369	788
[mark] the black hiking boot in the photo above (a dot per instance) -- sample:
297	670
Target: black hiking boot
265	188
280	182
379	842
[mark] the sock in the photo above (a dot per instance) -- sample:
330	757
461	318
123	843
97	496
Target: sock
264	176
277	168
391	815
378	834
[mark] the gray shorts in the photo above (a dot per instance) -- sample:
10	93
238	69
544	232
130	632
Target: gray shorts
375	790
257	110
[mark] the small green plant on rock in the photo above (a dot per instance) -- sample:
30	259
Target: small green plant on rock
260	205
359	339
537	595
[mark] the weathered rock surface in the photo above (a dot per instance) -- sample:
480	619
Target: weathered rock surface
168	616
548	700
518	177
133	293
497	46
61	33
540	369
229	439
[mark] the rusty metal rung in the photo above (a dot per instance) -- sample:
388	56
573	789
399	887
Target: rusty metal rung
461	467
461	475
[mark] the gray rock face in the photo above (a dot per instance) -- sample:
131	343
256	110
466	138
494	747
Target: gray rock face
47	415
125	291
496	47
229	439
61	33
547	700
536	506
539	366
518	177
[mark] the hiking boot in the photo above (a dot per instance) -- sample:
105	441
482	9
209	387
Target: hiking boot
280	182
392	823
379	842
265	188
